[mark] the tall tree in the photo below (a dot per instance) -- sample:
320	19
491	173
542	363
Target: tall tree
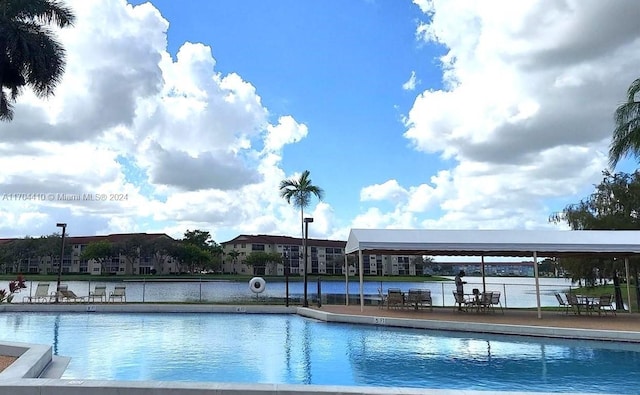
99	251
234	259
160	249
300	190
614	205
29	52
198	238
263	263
626	135
131	250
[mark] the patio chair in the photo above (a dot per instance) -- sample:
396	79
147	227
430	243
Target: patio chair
563	304
41	294
413	298
461	303
395	298
495	301
100	292
484	303
575	304
119	292
605	305
425	299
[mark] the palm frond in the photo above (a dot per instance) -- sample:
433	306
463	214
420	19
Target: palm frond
626	134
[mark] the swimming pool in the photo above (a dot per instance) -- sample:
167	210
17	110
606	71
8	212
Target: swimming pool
267	348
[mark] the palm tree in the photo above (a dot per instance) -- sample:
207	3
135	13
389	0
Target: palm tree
626	135
29	52
300	190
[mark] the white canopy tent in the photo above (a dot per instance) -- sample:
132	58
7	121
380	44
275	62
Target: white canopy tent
520	243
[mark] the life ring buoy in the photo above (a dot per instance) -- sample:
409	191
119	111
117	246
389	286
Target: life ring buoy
257	285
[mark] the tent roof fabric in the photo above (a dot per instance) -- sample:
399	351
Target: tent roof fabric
552	243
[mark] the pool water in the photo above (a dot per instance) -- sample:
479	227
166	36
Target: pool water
267	348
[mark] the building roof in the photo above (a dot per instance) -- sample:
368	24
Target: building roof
494	242
284	240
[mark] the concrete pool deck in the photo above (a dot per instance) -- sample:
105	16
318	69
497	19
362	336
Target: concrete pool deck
622	327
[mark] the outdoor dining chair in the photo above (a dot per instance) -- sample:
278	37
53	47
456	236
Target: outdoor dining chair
495	301
395	298
605	304
461	302
563	304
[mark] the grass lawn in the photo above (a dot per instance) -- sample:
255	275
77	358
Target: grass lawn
609	289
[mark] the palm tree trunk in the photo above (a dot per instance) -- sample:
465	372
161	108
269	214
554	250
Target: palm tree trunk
304	245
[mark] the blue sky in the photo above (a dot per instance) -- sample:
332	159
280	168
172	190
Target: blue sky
337	66
409	114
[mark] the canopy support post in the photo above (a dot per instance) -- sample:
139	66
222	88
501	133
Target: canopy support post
346	281
537	277
361	266
484	285
626	268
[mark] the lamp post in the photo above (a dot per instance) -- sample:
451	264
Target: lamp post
305	302
64	229
286	276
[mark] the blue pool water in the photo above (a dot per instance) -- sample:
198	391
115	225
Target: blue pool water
257	348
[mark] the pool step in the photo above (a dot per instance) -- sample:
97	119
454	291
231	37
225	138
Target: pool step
55	368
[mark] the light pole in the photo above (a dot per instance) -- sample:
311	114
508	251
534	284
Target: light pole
305	302
286	276
64	229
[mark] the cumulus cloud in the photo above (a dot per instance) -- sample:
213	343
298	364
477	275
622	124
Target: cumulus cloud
390	190
188	144
524	117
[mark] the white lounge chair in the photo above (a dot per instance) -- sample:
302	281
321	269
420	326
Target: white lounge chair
100	292
119	292
41	294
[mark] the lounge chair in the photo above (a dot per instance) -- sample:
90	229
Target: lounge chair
67	295
100	292
395	298
41	294
604	304
118	293
564	304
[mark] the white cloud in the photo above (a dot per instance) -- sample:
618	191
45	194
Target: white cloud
411	82
199	148
525	117
390	190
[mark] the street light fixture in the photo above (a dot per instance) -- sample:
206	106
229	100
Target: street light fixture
305	302
286	275
64	229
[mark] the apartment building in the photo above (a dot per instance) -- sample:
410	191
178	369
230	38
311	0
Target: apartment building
323	256
145	261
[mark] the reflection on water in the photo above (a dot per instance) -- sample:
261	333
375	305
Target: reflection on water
267	348
56	332
516	292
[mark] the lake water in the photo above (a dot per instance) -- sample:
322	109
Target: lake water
516	292
267	348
